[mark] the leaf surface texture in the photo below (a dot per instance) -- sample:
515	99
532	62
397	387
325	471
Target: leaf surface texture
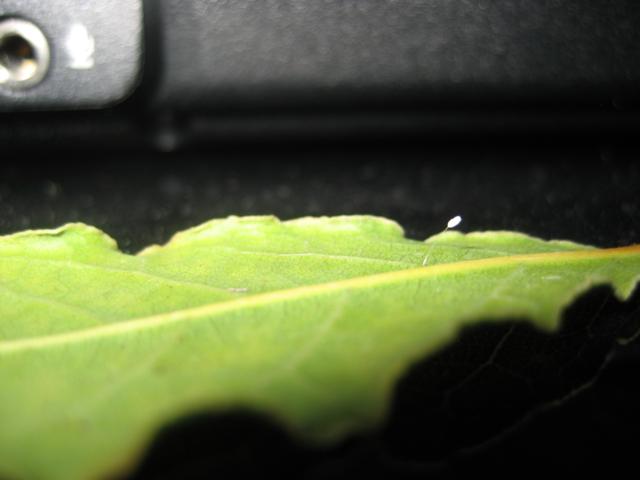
311	321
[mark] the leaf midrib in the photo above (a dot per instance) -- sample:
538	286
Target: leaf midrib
160	320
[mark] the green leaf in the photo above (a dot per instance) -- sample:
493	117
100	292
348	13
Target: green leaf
310	321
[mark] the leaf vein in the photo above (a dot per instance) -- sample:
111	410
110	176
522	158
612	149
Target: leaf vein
78	264
216	308
98	318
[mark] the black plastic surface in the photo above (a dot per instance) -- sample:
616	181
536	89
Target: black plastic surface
275	53
245	70
216	56
110	73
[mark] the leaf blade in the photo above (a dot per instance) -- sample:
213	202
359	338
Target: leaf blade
269	352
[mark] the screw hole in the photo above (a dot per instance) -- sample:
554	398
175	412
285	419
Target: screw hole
24	54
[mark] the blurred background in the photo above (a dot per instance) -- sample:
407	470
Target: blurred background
146	117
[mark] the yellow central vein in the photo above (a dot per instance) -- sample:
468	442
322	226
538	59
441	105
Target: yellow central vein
207	311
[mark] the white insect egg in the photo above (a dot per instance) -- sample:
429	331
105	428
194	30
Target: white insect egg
454	222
